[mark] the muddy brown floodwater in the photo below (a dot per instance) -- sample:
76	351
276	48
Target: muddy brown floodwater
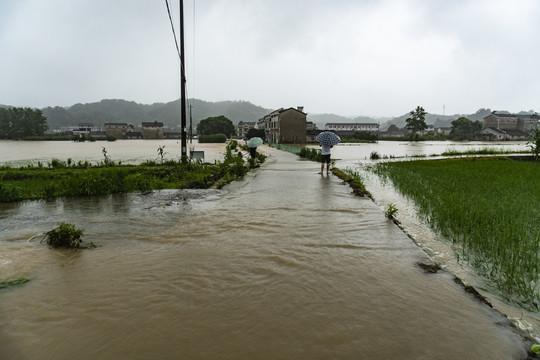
285	264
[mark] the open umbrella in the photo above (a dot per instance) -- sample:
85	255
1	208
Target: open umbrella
328	138
254	142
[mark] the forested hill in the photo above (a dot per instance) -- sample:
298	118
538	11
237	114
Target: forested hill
130	112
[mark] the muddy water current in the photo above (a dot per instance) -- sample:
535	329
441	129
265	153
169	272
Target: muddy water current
284	264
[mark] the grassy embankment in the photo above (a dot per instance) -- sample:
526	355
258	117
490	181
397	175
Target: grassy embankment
64	178
489	206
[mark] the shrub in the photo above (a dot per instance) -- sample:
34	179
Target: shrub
10	193
216	138
374	155
65	235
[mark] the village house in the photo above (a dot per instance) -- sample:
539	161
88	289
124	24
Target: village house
83	128
445	130
285	126
506	126
243	127
152	130
118	130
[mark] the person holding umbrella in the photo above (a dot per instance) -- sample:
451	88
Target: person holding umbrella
327	139
325	157
252	145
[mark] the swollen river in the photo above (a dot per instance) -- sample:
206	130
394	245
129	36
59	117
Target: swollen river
284	264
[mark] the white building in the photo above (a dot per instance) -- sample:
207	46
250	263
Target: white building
354	127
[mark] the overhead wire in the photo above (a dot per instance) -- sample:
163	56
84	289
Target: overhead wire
169	12
173	31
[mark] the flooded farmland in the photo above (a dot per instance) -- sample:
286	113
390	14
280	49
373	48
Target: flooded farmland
283	264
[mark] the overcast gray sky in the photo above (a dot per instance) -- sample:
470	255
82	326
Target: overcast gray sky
349	57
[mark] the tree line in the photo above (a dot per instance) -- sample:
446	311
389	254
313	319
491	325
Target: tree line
19	123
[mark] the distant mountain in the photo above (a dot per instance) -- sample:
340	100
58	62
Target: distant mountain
114	110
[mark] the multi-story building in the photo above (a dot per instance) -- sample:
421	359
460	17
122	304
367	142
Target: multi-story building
152	130
285	125
243	127
118	130
506	126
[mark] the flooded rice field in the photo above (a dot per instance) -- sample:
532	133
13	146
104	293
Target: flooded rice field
283	264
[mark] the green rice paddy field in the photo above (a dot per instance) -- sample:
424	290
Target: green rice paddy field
489	206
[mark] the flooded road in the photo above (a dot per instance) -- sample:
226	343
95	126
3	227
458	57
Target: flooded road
285	264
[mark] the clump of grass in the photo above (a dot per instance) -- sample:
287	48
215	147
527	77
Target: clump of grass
354	179
8	283
391	211
65	235
374	155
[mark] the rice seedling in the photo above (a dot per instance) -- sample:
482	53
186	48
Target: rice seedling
487	205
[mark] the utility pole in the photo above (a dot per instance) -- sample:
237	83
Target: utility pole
182	85
190	125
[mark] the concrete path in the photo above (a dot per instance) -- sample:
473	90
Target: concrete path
405	312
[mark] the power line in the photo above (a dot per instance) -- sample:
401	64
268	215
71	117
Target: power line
172	27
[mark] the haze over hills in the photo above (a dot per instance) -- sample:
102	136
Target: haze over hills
117	110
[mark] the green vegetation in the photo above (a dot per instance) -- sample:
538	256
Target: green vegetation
7	283
253	162
361	137
464	129
310	153
216	125
65	235
534	144
354	180
483	151
374	155
66	178
18	123
391	211
489	206
416	122
215	138
256	133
